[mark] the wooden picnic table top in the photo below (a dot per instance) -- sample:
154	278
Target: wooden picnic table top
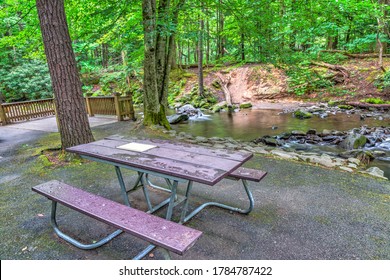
180	160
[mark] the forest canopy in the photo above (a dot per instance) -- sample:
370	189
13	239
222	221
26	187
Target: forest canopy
107	37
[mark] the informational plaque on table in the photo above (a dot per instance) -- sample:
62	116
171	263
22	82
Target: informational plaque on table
136	147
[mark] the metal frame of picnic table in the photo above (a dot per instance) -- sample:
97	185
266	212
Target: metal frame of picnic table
144	181
172	183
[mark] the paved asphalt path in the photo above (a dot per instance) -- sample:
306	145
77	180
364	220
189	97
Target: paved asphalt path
302	212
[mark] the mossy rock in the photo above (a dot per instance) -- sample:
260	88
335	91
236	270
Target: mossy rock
373	100
353	141
219	106
302	114
360	142
245	105
345	107
334	103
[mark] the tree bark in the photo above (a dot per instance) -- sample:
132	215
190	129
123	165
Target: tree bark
333	67
153	111
70	106
159	44
225	87
200	54
242	46
220	27
104	47
208	42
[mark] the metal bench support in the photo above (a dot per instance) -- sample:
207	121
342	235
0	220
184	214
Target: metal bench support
185	218
74	241
165	235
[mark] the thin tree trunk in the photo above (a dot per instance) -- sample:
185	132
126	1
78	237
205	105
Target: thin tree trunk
225	87
161	43
220	27
208	42
174	55
70	105
169	54
200	55
180	48
242	46
380	56
188	53
104	55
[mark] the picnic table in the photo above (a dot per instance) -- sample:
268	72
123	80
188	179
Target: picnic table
175	162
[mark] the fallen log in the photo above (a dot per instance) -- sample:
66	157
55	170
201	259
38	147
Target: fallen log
353	55
225	84
333	67
338	68
363	105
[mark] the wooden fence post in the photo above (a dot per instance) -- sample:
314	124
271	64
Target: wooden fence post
131	106
118	106
89	107
3	117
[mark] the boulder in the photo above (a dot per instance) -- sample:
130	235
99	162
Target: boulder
326	132
245	105
284	155
219	106
346	168
189	110
270	141
299	114
298	133
177	118
353	141
377	172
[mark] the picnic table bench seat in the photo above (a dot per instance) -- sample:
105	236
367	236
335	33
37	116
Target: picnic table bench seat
242	173
166	234
249	174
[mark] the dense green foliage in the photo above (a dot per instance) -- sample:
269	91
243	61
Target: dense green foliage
108	37
29	80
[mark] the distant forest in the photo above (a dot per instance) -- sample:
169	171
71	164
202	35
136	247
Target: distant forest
108	36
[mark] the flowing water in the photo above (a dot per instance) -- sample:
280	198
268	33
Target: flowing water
247	125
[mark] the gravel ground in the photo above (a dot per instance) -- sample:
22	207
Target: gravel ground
302	212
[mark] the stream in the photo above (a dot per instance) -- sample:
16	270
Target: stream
248	125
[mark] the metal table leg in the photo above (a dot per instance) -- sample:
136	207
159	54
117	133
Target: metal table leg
185	218
122	185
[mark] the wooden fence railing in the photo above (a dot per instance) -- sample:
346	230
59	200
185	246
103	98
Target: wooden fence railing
122	107
24	111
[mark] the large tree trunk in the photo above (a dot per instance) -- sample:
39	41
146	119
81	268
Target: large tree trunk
70	105
153	111
159	43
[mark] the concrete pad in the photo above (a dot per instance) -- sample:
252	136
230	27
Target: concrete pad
17	134
50	125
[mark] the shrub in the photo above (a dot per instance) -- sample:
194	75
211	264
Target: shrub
27	81
373	100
